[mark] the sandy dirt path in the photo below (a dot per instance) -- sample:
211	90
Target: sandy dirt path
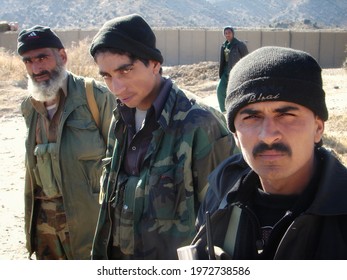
12	239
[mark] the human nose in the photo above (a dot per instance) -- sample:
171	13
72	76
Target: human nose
269	132
36	67
116	86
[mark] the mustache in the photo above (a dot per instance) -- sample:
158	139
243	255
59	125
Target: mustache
45	72
262	147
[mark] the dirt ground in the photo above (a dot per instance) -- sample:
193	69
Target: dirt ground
200	79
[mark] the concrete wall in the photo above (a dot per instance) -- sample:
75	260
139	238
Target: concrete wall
187	46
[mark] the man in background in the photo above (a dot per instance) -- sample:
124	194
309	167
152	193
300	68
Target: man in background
232	50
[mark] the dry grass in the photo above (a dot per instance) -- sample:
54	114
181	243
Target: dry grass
335	136
80	61
11	67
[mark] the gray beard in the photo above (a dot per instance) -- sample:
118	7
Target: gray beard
46	91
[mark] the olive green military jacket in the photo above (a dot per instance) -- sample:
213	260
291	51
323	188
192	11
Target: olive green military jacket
77	165
189	143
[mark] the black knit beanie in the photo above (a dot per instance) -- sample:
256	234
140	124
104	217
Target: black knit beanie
131	34
275	74
37	37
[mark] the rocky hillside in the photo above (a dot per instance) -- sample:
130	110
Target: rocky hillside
87	14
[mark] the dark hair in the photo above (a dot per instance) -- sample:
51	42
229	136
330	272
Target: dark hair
228	28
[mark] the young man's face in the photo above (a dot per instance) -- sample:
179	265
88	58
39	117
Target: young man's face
277	140
132	82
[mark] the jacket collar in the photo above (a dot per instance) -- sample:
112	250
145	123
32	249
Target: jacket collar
332	190
331	194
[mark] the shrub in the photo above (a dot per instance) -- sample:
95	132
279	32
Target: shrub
11	67
79	60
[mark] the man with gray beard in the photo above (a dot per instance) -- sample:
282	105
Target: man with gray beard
64	149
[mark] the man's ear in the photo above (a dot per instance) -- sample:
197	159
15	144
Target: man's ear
319	129
236	140
63	55
156	66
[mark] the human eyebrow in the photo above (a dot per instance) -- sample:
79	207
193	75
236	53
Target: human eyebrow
248	111
286	109
123	67
27	59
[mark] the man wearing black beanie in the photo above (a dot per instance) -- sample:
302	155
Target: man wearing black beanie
285	196
162	146
231	51
64	148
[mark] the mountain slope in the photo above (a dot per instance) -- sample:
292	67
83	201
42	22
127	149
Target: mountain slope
87	14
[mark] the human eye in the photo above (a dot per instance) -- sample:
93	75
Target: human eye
105	76
288	115
26	60
42	58
251	117
126	69
287	112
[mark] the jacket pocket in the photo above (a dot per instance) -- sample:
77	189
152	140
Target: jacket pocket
86	140
43	171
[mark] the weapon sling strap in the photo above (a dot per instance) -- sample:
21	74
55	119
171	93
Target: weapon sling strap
233	225
233	221
91	101
231	233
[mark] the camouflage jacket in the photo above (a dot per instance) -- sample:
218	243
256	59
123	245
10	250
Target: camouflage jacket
158	209
80	148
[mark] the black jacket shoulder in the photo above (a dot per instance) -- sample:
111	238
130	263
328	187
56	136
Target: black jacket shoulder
221	180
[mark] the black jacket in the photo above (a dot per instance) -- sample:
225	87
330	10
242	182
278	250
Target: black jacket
318	231
238	50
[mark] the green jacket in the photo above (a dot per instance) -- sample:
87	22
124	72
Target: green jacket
80	149
189	143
